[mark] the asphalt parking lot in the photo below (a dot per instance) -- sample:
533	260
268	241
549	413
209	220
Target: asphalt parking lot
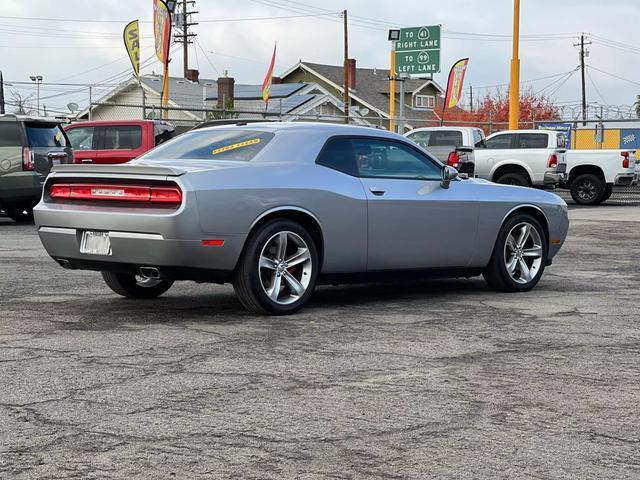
435	379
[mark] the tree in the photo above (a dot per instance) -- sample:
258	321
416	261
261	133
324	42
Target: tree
636	105
494	108
20	102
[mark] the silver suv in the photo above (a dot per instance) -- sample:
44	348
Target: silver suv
29	147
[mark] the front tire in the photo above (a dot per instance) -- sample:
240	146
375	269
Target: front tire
519	255
587	189
278	269
133	286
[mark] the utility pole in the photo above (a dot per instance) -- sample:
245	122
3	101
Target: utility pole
182	23
470	98
346	68
514	82
583	53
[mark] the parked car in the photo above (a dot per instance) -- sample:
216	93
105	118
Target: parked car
116	141
276	208
452	146
29	147
509	157
590	174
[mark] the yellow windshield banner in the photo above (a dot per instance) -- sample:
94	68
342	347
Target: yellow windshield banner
253	141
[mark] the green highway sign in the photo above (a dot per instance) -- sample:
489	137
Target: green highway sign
418	51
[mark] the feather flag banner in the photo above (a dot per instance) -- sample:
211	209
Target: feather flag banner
266	84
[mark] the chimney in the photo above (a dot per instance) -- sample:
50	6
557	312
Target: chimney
193	75
225	92
276	80
351	71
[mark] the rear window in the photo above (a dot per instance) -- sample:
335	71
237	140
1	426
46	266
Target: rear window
446	138
478	138
45	135
236	145
10	134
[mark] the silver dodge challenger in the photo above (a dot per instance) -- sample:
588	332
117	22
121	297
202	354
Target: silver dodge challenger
278	208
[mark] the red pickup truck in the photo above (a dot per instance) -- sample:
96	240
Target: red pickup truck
116	141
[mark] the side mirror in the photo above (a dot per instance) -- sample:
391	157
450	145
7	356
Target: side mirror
448	175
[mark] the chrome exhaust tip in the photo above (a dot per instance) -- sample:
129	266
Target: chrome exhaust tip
150	272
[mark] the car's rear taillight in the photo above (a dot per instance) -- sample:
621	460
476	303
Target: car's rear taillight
553	161
625	159
167	195
27	159
453	160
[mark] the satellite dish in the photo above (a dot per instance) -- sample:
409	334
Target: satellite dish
364	111
73	107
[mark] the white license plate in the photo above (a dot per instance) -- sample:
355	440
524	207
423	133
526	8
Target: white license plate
95	243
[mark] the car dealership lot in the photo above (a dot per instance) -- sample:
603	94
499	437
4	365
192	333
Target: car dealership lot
440	378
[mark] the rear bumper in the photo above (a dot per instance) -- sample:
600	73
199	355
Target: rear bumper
624	179
136	249
551	179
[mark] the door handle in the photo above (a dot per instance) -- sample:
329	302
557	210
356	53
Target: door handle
376	191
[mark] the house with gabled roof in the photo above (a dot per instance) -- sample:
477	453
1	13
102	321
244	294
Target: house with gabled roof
369	91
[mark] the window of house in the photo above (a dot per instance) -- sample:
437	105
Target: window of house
424	101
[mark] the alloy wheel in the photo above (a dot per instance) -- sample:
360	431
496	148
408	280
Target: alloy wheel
285	267
586	190
523	253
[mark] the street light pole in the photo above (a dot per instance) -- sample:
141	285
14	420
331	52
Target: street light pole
514	84
38	80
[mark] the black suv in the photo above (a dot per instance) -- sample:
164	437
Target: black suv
29	147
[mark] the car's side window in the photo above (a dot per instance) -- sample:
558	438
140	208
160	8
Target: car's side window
500	141
533	140
10	134
338	154
421	138
388	159
81	138
122	137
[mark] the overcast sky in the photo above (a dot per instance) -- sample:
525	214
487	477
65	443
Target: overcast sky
86	52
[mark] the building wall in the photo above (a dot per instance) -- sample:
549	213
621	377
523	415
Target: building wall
130	107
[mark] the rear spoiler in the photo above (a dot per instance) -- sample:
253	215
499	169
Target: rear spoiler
122	168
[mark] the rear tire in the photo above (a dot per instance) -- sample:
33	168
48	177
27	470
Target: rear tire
608	191
19	214
518	258
587	189
132	286
278	268
513	178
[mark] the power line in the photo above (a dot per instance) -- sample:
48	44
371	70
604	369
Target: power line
595	87
613	75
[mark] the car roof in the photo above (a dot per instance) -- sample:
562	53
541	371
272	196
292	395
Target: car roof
328	129
116	122
10	117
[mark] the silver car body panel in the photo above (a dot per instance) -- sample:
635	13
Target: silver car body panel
417	224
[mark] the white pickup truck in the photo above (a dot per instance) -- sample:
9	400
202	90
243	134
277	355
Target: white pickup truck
590	174
517	157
